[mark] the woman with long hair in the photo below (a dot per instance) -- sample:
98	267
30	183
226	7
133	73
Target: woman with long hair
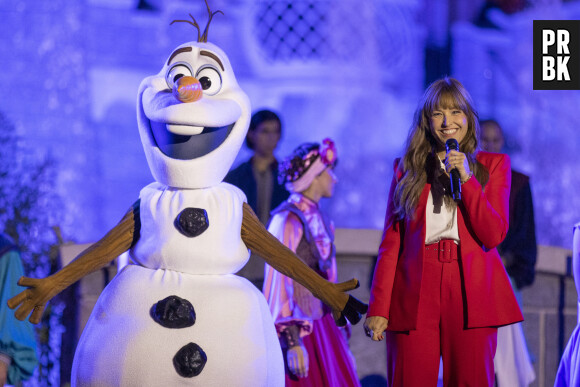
439	286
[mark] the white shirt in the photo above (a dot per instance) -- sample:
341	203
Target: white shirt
442	225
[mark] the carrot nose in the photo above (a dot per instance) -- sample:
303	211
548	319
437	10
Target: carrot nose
187	89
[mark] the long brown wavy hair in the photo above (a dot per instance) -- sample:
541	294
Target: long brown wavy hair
420	159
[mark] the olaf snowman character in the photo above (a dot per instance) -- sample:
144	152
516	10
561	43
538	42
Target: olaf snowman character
179	315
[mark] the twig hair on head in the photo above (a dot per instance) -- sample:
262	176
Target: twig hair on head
203	37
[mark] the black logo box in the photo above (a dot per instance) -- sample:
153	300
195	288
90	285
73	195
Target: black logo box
573	28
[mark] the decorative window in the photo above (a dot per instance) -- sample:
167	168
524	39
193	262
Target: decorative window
346	31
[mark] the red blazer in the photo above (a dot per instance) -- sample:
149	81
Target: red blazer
482	224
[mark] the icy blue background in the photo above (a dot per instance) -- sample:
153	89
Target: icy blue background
70	72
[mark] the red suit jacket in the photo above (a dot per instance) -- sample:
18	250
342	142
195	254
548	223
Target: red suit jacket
482	224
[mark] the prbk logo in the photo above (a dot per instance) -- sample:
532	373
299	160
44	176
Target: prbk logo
556	54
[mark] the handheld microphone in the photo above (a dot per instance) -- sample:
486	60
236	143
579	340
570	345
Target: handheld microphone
452	144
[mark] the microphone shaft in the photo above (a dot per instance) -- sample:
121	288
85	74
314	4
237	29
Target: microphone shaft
452	144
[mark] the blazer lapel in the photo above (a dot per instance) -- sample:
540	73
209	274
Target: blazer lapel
418	221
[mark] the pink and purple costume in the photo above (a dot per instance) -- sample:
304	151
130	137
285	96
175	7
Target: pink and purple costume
300	225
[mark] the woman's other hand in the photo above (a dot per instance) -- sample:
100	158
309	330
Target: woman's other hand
375	327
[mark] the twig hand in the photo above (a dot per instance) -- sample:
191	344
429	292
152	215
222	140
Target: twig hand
33	299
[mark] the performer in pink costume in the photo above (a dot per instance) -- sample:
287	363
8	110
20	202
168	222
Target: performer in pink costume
315	350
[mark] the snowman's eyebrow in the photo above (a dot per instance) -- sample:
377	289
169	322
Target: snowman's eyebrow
179	51
212	56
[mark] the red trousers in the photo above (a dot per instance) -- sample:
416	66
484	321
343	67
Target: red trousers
413	357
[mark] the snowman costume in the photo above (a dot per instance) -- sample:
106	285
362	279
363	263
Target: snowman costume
122	344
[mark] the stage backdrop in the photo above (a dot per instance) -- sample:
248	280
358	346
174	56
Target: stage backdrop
349	69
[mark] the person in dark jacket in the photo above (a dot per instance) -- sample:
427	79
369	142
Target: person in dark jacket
518	250
257	178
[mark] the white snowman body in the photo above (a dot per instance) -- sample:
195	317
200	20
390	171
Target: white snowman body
122	345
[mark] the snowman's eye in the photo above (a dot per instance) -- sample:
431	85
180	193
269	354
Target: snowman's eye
210	79
177	71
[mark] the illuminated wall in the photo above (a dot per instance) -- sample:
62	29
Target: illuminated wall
347	69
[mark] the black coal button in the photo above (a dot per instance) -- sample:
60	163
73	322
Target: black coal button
189	360
173	312
192	222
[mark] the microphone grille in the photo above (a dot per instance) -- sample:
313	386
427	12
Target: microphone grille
451	144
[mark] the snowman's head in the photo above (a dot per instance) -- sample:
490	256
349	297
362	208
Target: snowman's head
193	117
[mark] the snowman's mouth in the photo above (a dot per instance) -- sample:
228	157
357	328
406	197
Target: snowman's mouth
187	147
